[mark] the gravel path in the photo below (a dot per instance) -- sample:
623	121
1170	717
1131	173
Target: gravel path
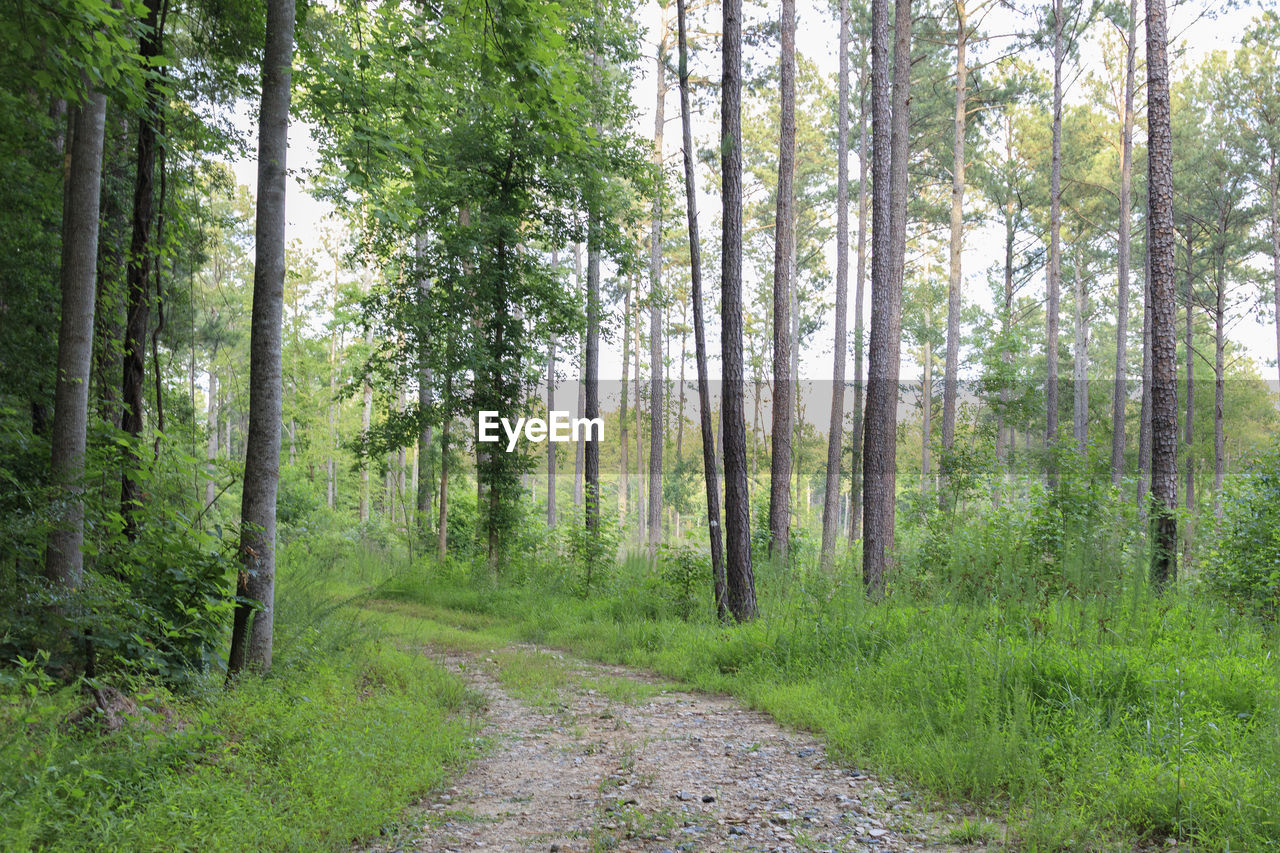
585	757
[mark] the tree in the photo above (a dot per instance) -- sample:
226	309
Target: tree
657	419
740	580
955	296
551	407
1053	277
855	475
783	234
1120	391
888	251
591	370
699	338
141	252
1161	238
425	381
255	587
835	436
1080	357
64	562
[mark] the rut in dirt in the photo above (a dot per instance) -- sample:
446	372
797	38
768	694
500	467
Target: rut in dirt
585	757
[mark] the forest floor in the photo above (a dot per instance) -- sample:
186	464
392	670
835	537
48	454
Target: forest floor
587	757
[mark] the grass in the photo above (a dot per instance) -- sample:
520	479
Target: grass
347	730
1067	720
1081	722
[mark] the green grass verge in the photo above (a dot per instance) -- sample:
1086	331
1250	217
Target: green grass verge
1085	724
350	727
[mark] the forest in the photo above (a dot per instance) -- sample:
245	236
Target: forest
612	425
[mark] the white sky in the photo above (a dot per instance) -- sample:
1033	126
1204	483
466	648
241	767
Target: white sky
816	39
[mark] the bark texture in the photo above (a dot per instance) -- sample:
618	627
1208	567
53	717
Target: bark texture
955	285
699	338
578	457
425	482
591	364
835	434
740	579
859	387
551	407
888	230
657	420
1161	236
783	230
1080	362
138	271
64	561
1120	392
1053	281
251	635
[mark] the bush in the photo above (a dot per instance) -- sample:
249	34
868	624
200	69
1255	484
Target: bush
1244	568
684	575
157	604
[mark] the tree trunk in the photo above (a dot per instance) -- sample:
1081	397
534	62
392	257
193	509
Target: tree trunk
951	369
657	420
1188	426
796	399
64	562
578	454
756	396
684	353
641	507
551	407
926	404
591	363
888	231
1164	392
835	435
855	474
699	338
784	225
366	420
1144	416
1054	277
423	482
740	579
1080	364
1219	386
252	629
422	478
1275	249
138	271
331	463
442	521
1121	391
210	486
624	463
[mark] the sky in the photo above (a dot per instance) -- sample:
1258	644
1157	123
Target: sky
817	34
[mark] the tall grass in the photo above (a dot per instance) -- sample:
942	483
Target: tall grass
1052	689
347	730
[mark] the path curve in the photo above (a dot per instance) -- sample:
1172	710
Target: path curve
611	759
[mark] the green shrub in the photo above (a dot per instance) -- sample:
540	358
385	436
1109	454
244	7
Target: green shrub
346	731
1244	568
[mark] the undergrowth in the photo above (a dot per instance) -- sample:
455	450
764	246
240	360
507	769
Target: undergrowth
1085	721
347	730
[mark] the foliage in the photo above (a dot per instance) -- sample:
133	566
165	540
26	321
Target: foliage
155	605
683	571
346	732
1245	566
1084	720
